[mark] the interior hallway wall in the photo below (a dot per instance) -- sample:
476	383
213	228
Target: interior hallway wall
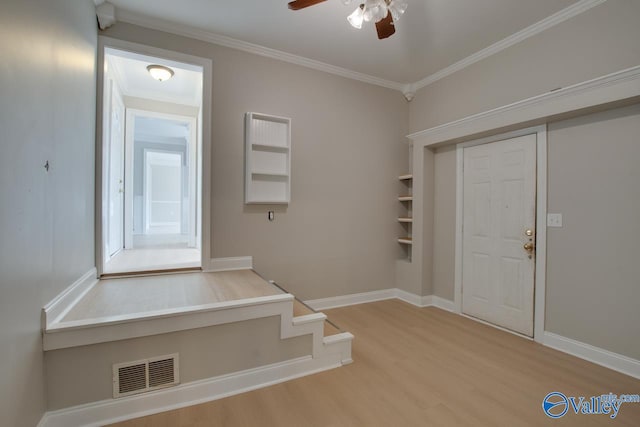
47	113
338	235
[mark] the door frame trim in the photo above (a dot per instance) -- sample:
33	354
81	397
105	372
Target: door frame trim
204	165
541	221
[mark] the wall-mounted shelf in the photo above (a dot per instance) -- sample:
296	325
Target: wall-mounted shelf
279	174
267	159
267	147
406	212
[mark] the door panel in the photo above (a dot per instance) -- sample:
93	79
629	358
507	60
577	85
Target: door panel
499	206
163	192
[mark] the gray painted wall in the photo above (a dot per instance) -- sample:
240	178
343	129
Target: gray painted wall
593	289
84	374
338	235
600	41
47	112
595	43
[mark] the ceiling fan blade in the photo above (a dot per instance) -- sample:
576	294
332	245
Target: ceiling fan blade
301	4
385	27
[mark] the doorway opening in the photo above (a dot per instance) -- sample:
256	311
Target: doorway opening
152	165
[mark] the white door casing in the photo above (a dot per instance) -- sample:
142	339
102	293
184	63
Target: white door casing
499	205
203	203
116	173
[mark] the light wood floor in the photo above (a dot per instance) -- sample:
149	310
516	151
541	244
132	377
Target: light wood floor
420	367
133	295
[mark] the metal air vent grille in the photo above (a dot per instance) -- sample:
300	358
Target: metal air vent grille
145	375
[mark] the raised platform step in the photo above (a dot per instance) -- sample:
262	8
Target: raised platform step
97	311
106	322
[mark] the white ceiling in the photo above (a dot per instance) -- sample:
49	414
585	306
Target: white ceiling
130	70
432	34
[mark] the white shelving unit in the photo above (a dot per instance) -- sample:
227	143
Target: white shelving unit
267	159
406	219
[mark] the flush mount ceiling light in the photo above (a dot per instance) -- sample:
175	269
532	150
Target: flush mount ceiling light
382	12
160	72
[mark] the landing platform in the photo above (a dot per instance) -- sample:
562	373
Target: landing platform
131	307
140	295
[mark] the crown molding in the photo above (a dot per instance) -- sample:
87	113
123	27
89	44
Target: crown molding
210	37
550	21
408	89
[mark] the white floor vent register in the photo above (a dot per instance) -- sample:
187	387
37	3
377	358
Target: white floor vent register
145	375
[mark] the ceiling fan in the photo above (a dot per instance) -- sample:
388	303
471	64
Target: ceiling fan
382	12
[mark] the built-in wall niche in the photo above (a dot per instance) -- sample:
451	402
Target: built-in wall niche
267	159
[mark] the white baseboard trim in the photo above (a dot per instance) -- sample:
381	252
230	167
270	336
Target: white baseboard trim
413	299
385	294
232	263
599	356
442	303
62	303
116	410
352	299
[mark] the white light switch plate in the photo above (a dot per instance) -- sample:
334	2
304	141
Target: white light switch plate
554	220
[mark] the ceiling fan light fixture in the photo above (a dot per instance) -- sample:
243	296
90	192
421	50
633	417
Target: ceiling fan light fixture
356	18
375	10
381	11
160	72
397	8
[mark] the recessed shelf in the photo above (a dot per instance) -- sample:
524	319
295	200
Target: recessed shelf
405	219
268	147
265	173
268	159
405	177
270	202
405	198
405	240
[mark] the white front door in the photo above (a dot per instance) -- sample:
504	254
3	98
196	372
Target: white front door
499	213
116	173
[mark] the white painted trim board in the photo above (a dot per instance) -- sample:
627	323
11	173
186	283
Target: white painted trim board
231	263
599	356
59	306
611	88
115	328
381	295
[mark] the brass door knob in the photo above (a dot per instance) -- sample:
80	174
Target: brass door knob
528	247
